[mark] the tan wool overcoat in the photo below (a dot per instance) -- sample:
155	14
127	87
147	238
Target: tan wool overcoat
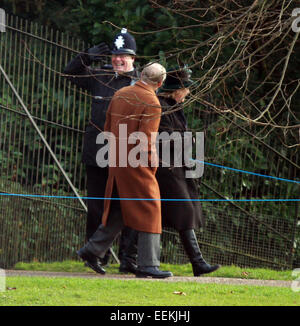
137	109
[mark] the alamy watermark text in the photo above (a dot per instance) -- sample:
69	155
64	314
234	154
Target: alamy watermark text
163	149
296	21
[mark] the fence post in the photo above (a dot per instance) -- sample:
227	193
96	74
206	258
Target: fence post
294	234
2	20
2	280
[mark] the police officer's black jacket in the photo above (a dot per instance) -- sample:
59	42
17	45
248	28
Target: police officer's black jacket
101	84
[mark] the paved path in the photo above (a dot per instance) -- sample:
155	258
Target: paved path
217	280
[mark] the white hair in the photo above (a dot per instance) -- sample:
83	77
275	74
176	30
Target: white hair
153	73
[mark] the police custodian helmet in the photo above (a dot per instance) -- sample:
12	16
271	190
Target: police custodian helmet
124	43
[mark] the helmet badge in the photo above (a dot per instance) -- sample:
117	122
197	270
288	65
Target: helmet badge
119	42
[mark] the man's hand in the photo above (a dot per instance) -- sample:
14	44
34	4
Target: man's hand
98	52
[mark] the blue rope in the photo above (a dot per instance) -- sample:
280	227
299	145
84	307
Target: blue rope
248	172
154	199
177	199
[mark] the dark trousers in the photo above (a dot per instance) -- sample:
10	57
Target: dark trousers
96	183
148	244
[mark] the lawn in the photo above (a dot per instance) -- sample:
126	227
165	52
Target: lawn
40	291
64	291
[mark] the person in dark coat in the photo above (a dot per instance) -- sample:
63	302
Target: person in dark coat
183	216
101	84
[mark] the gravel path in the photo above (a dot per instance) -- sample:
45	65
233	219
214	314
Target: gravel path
217	280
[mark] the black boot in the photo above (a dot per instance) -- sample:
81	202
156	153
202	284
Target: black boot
128	266
190	244
128	251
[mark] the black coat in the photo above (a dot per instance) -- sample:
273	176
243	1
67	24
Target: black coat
180	215
101	84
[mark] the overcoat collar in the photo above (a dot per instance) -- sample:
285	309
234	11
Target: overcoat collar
145	86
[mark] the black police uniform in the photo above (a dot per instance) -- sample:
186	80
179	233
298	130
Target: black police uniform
101	84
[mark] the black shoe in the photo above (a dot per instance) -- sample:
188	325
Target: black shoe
203	267
127	266
152	271
101	261
91	261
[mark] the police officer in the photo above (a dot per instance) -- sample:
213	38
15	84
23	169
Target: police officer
101	84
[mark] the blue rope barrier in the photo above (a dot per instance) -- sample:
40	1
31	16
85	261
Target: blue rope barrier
154	199
248	172
178	199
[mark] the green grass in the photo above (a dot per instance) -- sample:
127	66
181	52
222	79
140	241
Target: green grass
178	270
40	291
64	291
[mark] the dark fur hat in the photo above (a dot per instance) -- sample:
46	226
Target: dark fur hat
178	77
